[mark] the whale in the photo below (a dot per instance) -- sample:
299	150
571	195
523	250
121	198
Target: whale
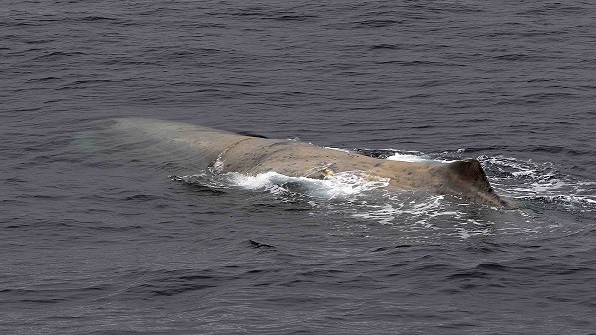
224	151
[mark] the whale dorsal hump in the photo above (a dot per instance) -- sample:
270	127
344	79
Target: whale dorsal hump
469	172
467	178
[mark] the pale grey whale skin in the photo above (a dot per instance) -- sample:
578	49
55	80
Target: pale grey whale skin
232	152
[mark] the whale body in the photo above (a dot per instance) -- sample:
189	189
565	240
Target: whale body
231	152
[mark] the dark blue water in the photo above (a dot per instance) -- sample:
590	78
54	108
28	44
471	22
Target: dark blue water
94	241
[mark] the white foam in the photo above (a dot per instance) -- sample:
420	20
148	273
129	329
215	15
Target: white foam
407	158
385	214
526	179
402	209
340	185
339	149
415	157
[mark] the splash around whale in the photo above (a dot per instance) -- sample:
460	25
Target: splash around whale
221	151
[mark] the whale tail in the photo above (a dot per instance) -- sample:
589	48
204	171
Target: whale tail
467	179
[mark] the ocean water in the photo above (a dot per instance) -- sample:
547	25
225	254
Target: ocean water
108	240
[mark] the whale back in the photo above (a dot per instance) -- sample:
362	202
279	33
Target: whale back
188	149
184	148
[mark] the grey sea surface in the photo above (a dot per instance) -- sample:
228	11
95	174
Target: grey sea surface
102	236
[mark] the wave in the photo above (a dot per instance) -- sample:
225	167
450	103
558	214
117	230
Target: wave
539	181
